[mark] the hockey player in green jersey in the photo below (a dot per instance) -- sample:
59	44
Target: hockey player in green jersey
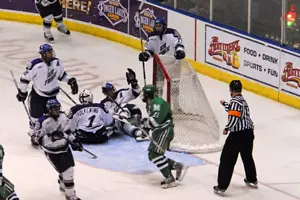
160	123
7	191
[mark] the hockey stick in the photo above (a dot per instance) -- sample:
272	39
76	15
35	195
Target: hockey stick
17	87
145	132
65	93
140	33
93	156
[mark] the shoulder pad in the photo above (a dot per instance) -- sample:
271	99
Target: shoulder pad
58	61
152	34
39	123
121	90
173	31
101	105
33	63
43	118
73	110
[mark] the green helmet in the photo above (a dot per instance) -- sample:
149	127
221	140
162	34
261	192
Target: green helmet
149	91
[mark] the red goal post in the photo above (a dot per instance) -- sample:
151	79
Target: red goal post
196	128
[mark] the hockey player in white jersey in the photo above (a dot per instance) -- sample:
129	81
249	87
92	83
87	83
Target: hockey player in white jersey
117	103
54	136
45	73
163	41
91	122
49	9
166	41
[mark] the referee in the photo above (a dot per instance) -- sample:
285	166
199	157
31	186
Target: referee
240	140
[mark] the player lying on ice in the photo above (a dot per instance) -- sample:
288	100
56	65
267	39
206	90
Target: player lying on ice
117	104
91	122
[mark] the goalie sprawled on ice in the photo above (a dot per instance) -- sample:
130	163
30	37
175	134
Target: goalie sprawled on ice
91	122
117	104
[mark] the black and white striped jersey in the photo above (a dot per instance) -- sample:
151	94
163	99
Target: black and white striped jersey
238	114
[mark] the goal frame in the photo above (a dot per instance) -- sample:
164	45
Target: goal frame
214	141
165	73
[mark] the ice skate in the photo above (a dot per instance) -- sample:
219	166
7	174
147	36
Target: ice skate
180	171
251	184
218	190
73	197
34	143
140	136
168	182
48	36
63	29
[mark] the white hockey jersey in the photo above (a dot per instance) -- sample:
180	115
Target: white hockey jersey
89	117
45	77
168	44
123	97
52	143
45	3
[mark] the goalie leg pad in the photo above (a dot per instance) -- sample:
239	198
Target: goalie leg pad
129	129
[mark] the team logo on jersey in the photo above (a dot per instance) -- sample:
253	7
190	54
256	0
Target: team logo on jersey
113	11
291	75
147	20
225	52
50	76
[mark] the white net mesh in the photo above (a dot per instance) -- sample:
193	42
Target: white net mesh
196	127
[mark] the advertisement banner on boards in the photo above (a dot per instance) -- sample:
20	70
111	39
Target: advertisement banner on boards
112	14
290	73
25	6
242	56
148	15
81	10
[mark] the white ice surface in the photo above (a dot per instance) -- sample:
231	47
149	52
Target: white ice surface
276	149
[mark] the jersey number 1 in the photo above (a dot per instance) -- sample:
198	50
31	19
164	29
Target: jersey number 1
91	120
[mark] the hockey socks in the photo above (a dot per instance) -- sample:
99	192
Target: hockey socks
163	163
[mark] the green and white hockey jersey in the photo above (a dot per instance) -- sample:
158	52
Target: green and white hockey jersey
160	114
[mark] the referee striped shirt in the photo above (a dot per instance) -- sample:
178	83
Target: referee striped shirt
238	114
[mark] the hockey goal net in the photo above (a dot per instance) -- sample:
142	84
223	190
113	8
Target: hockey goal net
196	127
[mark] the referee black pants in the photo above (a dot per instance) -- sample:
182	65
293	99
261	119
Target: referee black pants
237	142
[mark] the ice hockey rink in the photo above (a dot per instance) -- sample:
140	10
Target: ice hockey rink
95	61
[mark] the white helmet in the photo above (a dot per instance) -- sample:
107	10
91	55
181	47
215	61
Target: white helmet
86	97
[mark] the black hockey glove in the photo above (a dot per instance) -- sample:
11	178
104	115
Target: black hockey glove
21	96
180	54
131	78
56	135
76	145
144	56
74	87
